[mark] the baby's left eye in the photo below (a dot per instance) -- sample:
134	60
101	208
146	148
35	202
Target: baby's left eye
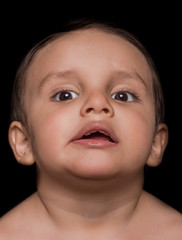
123	96
65	95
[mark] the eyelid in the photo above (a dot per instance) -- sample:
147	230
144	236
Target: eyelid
132	96
74	94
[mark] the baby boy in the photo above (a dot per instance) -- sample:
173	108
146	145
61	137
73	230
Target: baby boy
88	111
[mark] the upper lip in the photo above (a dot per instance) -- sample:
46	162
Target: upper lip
97	127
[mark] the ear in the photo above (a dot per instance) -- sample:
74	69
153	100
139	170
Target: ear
20	144
160	142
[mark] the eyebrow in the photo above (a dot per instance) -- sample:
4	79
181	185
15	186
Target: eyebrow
59	74
129	75
73	72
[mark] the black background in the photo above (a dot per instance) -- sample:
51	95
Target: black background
159	29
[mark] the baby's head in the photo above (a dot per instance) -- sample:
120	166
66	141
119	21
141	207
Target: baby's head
84	96
19	112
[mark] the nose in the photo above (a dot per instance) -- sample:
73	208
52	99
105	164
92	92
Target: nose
97	103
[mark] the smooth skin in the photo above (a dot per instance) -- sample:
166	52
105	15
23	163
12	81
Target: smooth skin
90	191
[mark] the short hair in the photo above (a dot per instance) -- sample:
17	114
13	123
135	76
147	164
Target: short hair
18	112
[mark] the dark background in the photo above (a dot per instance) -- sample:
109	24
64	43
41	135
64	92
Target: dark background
159	29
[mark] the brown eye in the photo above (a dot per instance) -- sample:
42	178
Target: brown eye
65	96
123	96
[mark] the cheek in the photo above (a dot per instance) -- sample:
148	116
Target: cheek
136	131
138	119
52	131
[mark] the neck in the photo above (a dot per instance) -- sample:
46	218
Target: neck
91	201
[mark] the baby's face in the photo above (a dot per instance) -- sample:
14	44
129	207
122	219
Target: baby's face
90	106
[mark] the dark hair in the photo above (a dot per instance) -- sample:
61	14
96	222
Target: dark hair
18	109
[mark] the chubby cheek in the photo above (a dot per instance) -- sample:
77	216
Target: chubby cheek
136	133
52	132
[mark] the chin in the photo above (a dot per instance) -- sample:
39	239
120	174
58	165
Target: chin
94	169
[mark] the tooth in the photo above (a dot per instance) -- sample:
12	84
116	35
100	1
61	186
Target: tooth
87	134
104	133
90	133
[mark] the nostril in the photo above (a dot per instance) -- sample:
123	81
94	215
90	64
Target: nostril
89	110
106	110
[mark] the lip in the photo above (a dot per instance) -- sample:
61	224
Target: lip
98	143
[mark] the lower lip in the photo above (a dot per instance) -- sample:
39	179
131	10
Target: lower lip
95	143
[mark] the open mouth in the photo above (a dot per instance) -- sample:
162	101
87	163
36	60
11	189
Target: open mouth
98	136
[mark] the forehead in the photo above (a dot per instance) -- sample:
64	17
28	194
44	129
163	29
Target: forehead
90	51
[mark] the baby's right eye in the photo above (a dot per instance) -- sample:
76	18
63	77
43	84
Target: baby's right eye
65	95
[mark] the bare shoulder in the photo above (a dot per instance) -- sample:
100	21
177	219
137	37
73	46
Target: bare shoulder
166	221
19	219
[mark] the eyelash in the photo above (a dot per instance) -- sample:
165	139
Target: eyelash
133	96
65	91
